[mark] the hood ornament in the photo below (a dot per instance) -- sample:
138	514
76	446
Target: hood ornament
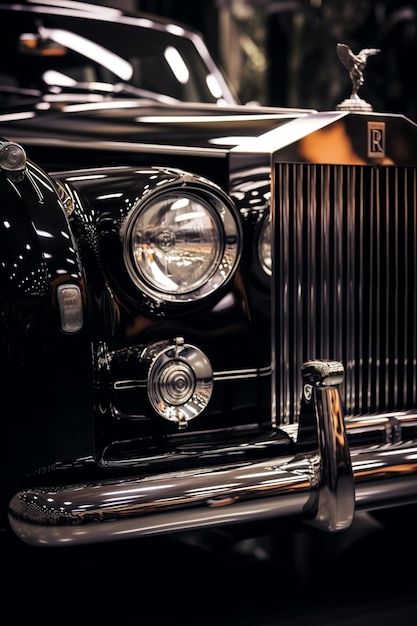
356	64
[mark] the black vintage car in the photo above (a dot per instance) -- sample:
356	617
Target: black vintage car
208	314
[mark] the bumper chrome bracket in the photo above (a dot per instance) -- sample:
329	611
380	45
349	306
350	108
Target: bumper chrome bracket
332	502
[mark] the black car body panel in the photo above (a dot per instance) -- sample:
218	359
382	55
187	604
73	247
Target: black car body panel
38	255
213	309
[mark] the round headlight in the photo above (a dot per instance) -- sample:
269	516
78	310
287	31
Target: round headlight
180	246
264	246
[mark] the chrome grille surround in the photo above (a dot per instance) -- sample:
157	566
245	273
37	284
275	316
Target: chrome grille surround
345	271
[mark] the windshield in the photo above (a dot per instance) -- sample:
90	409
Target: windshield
139	58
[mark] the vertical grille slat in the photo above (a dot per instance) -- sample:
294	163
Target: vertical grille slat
345	282
412	228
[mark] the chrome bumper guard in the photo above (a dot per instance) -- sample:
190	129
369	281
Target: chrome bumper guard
324	486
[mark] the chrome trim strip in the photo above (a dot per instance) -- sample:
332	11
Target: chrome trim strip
239	374
220	375
124	146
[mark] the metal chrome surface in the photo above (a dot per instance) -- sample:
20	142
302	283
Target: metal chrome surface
317	486
347	236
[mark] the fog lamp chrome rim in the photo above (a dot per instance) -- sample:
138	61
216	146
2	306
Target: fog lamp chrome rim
180	382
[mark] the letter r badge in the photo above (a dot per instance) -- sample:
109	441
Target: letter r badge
376	139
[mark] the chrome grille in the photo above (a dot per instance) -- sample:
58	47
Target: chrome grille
345	273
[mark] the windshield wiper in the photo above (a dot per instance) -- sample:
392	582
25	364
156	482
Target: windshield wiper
130	90
67	85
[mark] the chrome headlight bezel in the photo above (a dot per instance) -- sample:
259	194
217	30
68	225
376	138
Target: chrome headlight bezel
146	239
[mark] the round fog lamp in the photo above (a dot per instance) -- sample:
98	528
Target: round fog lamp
180	382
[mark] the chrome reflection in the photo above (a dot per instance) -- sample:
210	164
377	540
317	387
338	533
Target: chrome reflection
180	381
341	289
195	499
321	484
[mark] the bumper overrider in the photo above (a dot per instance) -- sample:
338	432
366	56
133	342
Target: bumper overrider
323	483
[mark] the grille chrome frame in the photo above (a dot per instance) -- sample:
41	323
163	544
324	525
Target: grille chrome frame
345	270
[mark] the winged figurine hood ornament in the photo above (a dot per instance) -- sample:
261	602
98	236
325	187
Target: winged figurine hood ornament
356	64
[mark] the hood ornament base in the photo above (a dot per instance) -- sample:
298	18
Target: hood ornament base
354	103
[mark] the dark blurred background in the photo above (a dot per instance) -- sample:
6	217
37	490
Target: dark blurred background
283	52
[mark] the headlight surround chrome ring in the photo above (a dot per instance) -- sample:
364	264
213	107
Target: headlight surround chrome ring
181	244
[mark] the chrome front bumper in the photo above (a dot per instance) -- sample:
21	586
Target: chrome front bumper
324	486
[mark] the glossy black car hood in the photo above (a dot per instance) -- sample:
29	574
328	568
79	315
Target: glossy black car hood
133	121
122	127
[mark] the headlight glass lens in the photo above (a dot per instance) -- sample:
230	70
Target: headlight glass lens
177	245
265	247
